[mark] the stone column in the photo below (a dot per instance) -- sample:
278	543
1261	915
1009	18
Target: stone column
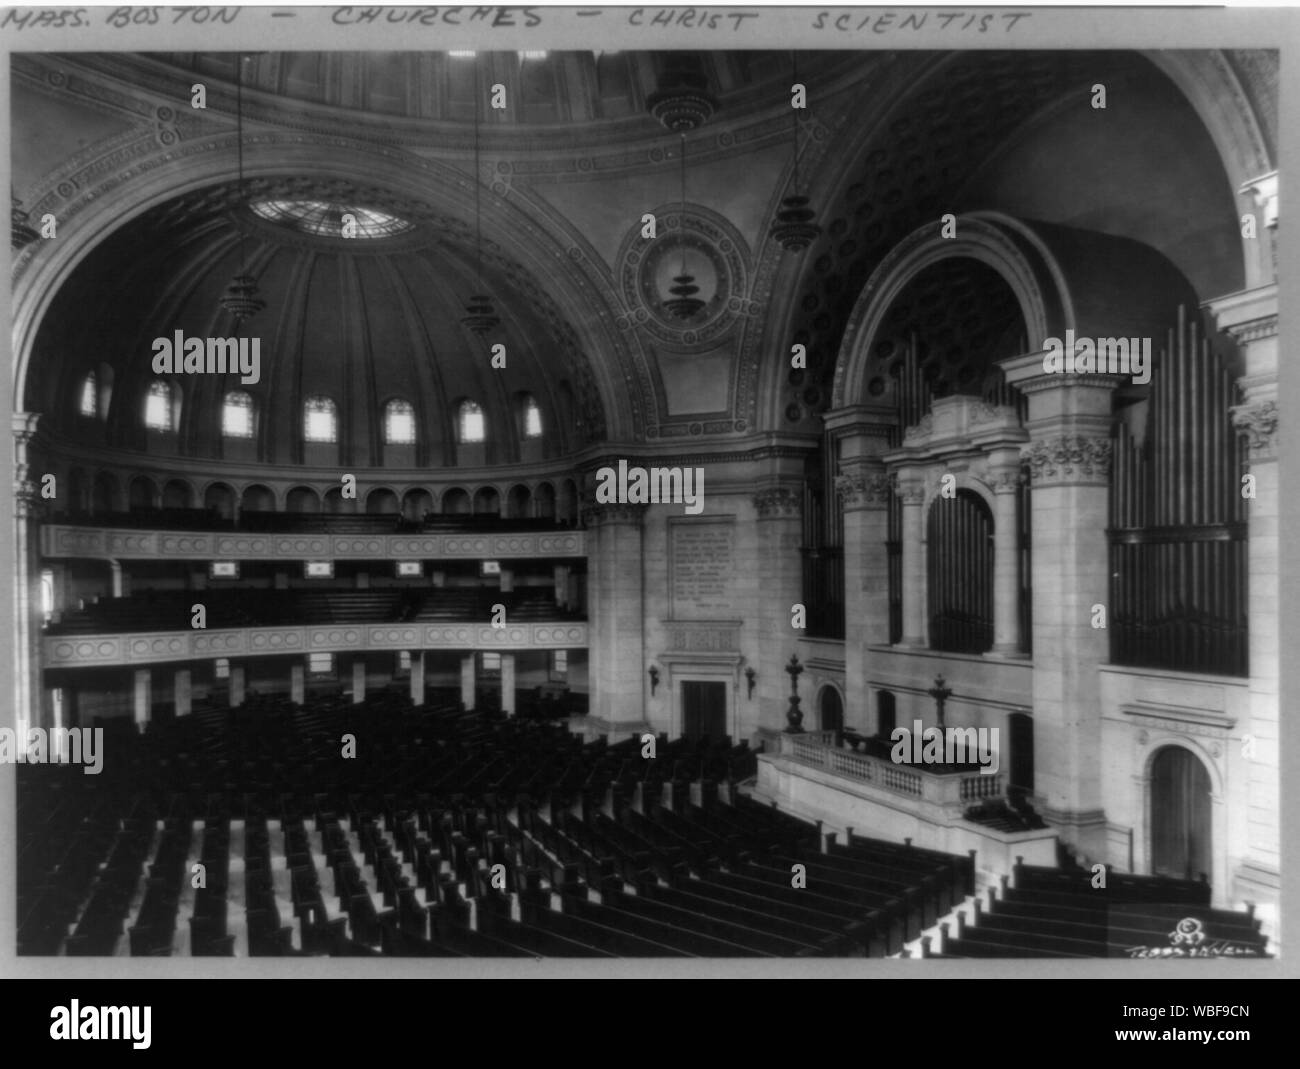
27	579
297	683
508	684
115	577
417	677
780	576
467	695
615	609
562	585
359	679
862	435
143	706
1255	839
1005	476
1069	457
911	489
183	691
237	678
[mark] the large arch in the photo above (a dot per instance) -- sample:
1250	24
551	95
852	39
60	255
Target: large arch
580	299
1054	272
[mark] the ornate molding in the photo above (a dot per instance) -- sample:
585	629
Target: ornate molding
778	502
1253	330
73	651
70	540
1258	422
1069	458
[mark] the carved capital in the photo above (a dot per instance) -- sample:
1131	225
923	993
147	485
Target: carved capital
27	498
778	502
911	491
1258	422
1006	480
863	490
1069	458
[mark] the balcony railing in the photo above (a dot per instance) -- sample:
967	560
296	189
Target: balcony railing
959	789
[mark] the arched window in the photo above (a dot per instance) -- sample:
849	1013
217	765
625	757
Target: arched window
237	415
469	423
399	423
90	396
158	415
532	417
319	420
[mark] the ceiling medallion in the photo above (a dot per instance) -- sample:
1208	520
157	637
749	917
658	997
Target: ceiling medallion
241	299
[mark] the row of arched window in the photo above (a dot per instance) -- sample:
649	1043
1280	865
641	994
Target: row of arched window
319	415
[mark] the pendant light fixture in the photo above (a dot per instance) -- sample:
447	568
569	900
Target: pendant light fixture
682	103
480	316
794	228
241	299
683	304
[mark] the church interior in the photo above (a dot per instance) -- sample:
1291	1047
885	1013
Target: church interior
322	362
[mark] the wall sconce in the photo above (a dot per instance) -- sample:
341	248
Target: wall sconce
750	676
654	679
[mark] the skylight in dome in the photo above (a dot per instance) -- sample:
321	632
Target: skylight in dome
330	220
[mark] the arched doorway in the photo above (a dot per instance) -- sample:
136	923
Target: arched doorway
1180	815
831	710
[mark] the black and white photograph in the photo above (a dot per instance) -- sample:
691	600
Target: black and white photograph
653	487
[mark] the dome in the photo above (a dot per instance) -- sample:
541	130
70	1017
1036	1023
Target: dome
364	303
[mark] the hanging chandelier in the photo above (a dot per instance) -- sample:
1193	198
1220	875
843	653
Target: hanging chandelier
683	304
795	229
241	298
682	102
480	317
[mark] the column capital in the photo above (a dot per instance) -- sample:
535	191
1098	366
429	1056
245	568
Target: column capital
864	489
1006	480
910	487
778	503
27	498
1069	458
1258	421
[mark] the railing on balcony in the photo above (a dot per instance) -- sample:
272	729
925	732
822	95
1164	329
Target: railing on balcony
818	750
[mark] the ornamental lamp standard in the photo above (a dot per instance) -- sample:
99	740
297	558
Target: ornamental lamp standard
793	715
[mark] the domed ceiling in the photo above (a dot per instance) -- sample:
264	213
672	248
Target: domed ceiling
361	320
